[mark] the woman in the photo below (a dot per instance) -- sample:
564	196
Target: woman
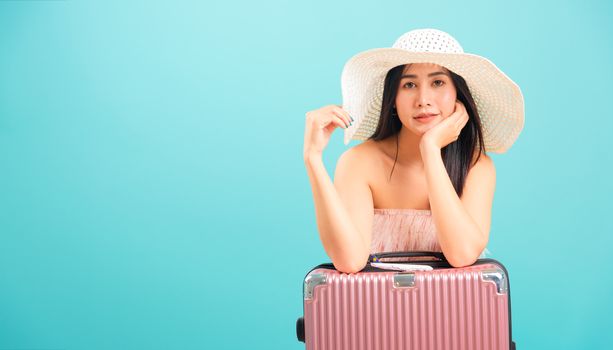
421	180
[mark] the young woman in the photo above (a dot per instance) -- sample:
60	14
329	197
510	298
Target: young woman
422	179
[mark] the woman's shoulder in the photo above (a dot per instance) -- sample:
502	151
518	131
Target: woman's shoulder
365	154
483	164
363	161
482	159
356	163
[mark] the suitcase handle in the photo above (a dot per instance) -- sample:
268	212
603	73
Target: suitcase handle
378	256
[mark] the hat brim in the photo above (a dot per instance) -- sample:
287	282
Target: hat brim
499	100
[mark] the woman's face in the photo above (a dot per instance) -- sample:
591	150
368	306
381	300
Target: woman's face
424	88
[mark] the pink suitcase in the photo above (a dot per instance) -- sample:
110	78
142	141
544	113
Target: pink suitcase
379	308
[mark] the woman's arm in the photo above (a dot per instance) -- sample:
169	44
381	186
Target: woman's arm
462	224
344	210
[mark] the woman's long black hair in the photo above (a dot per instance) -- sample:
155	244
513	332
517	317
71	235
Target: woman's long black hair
457	156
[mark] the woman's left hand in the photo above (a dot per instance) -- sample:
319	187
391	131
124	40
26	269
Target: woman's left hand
448	130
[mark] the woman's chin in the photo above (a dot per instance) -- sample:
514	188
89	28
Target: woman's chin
419	131
423	128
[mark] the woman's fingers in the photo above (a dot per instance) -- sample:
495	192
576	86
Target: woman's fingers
320	124
332	114
332	119
342	119
341	113
339	122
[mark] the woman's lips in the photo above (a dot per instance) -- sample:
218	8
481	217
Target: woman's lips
425	119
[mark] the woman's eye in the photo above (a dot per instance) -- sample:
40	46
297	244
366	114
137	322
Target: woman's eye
436	83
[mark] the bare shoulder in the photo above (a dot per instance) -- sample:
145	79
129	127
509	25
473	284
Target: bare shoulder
485	161
361	156
483	169
360	159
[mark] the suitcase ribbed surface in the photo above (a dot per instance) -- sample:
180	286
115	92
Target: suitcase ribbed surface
446	309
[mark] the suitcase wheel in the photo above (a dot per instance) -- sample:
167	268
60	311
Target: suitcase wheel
300	329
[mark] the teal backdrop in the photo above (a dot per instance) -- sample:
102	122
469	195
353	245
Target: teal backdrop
153	193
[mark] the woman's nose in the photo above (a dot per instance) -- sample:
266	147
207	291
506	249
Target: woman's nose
423	98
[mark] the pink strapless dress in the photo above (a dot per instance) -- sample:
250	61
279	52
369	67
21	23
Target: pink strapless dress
405	230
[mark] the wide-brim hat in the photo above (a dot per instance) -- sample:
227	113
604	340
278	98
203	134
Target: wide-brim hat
499	100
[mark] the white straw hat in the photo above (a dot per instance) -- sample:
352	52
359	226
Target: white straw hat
499	100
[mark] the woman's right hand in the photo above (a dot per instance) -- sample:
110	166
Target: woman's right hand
320	124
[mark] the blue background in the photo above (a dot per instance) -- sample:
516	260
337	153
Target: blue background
154	195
